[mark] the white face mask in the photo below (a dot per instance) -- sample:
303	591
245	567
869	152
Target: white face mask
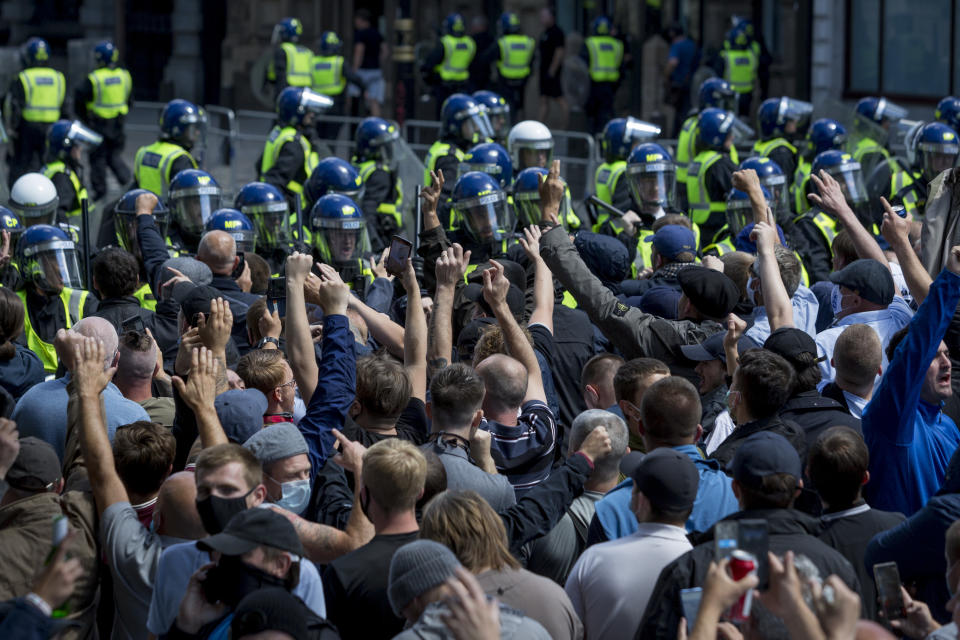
836	301
294	495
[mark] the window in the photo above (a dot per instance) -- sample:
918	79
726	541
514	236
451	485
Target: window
903	47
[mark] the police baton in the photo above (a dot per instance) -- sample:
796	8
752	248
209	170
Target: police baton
299	209
597	202
85	228
418	221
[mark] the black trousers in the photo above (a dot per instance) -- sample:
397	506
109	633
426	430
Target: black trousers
27	150
599	106
108	154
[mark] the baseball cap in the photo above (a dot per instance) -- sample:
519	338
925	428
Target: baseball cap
252	528
763	454
790	342
668	479
269	609
37	466
672	239
743	242
870	279
712	293
659	300
241	413
709	349
276	442
515	299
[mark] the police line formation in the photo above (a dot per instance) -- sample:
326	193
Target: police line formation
491	175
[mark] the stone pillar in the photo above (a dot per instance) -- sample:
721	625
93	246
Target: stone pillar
183	77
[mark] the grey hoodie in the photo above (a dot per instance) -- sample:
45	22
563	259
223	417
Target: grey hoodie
513	624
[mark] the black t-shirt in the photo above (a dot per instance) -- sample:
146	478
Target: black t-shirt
355	589
371	40
551	40
411	426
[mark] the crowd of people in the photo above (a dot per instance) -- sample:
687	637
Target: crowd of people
724	410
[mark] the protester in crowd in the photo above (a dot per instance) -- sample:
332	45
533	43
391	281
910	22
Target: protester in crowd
116	276
20	368
467	525
139	368
857	360
711	366
596	382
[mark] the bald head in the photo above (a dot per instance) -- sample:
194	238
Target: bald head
857	357
218	250
102	330
138	357
505	381
177	509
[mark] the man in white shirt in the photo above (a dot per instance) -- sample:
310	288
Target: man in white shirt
863	293
611	582
803	300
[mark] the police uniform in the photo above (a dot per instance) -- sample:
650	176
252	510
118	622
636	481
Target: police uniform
383	194
45	315
449	65
35	99
514	64
156	164
812	236
329	76
709	180
290	67
102	102
740	70
70	190
287	161
604	57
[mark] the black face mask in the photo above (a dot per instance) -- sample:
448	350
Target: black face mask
215	512
232	579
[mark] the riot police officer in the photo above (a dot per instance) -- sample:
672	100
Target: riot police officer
710	175
329	77
333	175
530	144
872	119
34	198
739	215
339	235
486	221
714	92
741	59
194	196
269	212
948	112
526	198
35	98
10	231
376	157
288	156
52	294
620	136
604	57
498	113
825	134
447	66
781	120
128	226
932	147
66	142
102	103
290	65
513	53
237	225
772	179
156	164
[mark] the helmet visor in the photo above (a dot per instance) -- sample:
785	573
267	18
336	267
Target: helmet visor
851	182
791	109
527	208
739	214
36	214
52	265
315	102
83	136
780	202
492	169
887	110
500	122
476	127
272	224
653	186
938	157
487	218
533	153
639	131
246	240
341	241
741	130
192	207
389	154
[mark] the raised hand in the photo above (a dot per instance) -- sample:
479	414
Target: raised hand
215	331
200	389
894	228
552	189
745	180
379	267
270	324
351	453
953	261
472	615
298	266
452	265
765	237
495	285
829	196
89	375
431	194
146	203
531	242
57	580
596	445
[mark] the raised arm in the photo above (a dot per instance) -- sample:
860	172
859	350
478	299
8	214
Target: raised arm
495	288
382	329
896	231
775	298
415	335
89	381
542	279
735	328
451	265
830	199
746	180
300	351
200	392
214	330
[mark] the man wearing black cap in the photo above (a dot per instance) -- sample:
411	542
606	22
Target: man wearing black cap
805	406
863	293
711	366
767	479
673	248
258	549
611	582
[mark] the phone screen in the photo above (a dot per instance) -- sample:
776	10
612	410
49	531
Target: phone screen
887	577
754	539
725	538
400	249
277	296
133	324
690	598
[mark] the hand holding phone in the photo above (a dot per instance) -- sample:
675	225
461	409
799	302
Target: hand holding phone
400	250
725	538
277	296
887	577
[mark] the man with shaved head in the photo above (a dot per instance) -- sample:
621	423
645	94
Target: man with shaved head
218	250
522	426
42	411
136	366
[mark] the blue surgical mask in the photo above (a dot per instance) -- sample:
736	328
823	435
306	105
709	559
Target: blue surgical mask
751	292
294	496
836	300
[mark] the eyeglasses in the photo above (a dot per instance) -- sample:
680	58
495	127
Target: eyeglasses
292	381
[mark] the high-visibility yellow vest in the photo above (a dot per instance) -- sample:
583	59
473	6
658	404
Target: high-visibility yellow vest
516	54
740	69
438	150
111	92
698	200
766	147
298	65
457	55
606	55
53	168
43	90
866	146
823	222
910	198
686	147
146	298
271	151
394	208
605	182
153	163
801	178
73	301
328	77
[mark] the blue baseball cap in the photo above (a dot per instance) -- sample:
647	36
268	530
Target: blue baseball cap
241	413
672	239
764	454
743	242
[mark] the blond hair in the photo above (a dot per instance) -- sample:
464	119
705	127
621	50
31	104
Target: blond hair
394	472
468	526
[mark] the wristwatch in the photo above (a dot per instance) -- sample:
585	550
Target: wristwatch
265	339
